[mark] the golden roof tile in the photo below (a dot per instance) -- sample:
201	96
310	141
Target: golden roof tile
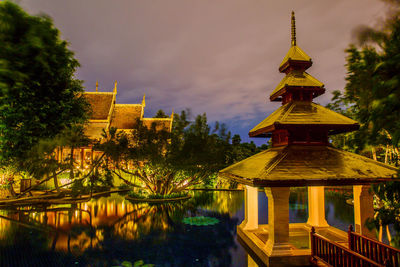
295	53
296	79
164	124
100	104
299	165
303	113
94	130
126	115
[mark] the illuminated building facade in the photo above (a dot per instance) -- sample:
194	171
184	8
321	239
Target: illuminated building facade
106	113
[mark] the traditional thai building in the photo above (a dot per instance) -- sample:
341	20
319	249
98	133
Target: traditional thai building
301	155
106	113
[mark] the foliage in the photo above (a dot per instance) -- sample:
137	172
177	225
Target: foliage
161	114
388	211
169	162
145	195
372	97
200	221
39	97
139	263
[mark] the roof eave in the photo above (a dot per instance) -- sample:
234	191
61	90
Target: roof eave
255	182
333	128
287	88
262	132
306	64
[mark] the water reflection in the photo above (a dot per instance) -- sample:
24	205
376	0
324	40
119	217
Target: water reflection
109	230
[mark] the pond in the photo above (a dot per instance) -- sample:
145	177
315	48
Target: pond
110	230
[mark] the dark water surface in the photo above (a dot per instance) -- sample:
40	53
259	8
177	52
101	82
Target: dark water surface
108	231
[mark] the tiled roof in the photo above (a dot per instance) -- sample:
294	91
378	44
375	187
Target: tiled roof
295	53
303	113
126	115
298	165
160	123
94	130
296	78
100	104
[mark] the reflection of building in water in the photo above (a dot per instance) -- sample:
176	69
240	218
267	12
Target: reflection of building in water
72	225
77	227
105	113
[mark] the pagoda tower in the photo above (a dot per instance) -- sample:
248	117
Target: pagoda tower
301	155
299	120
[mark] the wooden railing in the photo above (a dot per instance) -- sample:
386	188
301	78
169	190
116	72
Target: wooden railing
333	254
372	249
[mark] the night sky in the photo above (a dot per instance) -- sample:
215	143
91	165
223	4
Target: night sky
215	56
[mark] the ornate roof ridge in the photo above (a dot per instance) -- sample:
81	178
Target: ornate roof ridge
128	105
99	93
159	119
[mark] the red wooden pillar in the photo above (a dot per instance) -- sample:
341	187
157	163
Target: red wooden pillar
350	238
312	243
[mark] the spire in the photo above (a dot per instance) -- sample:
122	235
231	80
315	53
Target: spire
115	87
97	86
144	100
293	29
172	114
295	55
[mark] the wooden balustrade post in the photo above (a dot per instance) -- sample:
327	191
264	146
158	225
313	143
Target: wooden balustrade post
312	241
350	237
313	260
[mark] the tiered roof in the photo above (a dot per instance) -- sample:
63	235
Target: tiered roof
301	153
298	113
105	113
297	79
302	165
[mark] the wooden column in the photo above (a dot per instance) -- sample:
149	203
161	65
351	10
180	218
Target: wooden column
316	206
278	221
250	221
363	209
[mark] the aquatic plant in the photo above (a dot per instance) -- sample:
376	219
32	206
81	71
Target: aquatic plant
200	221
139	263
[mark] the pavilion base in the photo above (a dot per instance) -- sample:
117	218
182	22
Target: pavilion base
298	252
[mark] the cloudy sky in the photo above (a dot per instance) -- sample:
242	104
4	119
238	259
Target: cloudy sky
215	56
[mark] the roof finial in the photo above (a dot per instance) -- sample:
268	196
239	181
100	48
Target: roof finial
97	86
172	114
144	100
293	29
115	87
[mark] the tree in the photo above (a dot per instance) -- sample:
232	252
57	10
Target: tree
161	114
372	96
169	162
236	140
39	96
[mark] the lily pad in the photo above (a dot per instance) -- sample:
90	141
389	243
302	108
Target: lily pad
200	221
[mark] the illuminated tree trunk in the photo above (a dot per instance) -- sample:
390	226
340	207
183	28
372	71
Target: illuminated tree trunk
56	182
71	162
